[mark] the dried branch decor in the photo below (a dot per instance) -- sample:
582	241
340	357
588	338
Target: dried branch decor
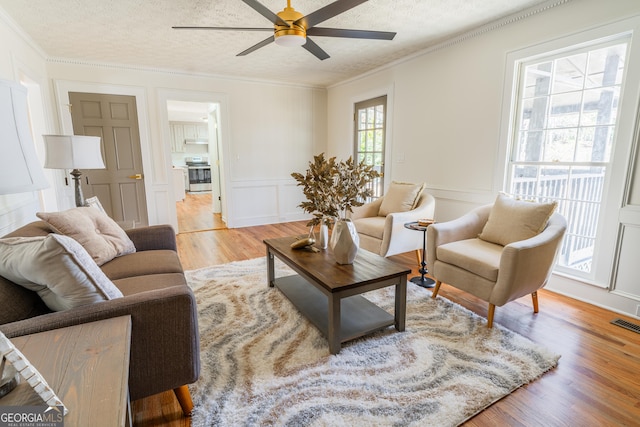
332	188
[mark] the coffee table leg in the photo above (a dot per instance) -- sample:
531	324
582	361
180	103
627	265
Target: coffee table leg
334	324
270	268
401	303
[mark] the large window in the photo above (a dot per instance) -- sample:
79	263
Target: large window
370	134
566	116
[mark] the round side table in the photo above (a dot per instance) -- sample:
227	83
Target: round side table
421	280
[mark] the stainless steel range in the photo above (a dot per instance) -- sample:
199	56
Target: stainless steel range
199	173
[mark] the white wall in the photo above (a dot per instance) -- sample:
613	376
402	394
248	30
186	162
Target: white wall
268	130
447	118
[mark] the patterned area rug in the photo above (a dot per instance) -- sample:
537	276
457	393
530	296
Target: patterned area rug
263	364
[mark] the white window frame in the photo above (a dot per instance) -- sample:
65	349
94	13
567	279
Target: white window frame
616	178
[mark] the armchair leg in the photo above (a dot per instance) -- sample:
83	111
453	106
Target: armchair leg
419	256
184	399
492	310
534	297
436	289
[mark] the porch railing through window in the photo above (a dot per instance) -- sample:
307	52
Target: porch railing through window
578	193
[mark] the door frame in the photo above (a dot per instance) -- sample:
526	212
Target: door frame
152	186
221	99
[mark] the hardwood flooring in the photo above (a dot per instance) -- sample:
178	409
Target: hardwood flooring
195	213
596	383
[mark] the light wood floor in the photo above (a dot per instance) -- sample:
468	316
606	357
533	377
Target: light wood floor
596	383
195	213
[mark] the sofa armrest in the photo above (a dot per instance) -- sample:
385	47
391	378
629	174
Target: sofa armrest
153	237
165	351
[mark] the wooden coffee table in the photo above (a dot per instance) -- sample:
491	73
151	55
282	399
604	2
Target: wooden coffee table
328	294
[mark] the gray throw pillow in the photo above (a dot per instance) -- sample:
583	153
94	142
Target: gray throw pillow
58	268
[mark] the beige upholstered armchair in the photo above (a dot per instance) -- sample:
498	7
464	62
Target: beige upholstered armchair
497	252
380	224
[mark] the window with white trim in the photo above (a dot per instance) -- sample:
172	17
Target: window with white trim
370	138
561	148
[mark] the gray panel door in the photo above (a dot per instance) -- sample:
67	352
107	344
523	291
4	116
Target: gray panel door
119	187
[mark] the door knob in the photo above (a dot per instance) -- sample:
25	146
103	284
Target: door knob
136	176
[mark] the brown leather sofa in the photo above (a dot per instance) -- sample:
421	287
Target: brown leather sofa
165	345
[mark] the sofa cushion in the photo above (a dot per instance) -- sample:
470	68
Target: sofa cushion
513	220
101	236
371	226
58	268
400	197
152	282
142	264
475	255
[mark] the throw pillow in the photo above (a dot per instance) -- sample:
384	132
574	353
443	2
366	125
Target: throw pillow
101	236
400	197
58	268
513	220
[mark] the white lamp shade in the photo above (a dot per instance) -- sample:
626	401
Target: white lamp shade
20	169
73	152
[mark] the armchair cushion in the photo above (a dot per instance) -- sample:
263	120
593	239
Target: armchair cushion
58	268
371	226
400	197
513	220
101	236
474	255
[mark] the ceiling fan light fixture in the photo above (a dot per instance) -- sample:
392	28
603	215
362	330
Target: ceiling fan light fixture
290	40
293	34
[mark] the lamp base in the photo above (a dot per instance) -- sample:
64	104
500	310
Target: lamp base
79	197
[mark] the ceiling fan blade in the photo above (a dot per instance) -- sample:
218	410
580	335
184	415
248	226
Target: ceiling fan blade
257	46
316	50
327	12
351	34
264	11
223	28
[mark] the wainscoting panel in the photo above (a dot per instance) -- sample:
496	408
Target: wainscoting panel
17	210
626	276
265	202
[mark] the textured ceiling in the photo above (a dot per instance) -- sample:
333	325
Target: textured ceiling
138	33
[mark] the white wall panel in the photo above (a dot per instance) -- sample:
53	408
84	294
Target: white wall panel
626	281
266	202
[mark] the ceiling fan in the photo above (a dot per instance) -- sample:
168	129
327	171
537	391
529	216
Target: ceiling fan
292	28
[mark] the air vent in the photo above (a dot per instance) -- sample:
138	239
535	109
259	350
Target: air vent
627	325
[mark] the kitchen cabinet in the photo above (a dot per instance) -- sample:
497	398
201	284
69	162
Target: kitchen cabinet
177	139
202	130
186	179
178	183
190	131
183	133
195	132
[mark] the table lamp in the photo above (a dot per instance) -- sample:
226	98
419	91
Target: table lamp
73	152
20	169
